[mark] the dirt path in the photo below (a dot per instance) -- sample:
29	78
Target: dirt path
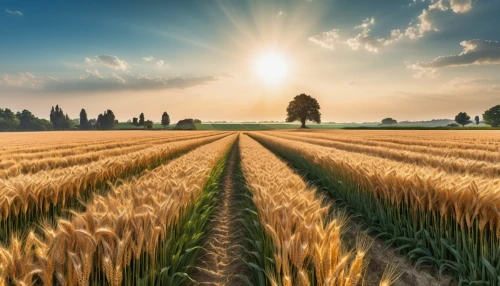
221	258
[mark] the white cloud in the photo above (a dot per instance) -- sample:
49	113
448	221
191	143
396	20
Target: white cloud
426	20
14	12
280	13
148	58
161	64
107	60
475	52
364	39
326	39
366	23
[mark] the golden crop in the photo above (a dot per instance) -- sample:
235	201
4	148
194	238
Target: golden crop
296	219
439	209
128	224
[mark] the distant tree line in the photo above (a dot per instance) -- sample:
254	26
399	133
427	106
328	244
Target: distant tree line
26	121
148	124
490	117
22	121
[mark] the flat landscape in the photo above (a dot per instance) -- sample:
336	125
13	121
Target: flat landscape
284	207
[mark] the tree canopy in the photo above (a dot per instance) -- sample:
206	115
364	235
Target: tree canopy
84	121
59	120
8	120
165	119
141	119
303	108
106	120
492	116
462	118
388	121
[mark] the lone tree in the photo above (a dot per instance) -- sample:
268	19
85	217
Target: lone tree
462	118
492	116
303	107
165	119
141	119
477	119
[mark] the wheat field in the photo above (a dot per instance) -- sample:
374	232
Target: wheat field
309	208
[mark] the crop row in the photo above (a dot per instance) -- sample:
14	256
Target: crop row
307	246
452	165
144	232
28	198
451	222
75	157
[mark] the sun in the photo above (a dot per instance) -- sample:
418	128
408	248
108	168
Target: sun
271	67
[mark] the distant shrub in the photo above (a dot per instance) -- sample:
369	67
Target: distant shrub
389	121
185	124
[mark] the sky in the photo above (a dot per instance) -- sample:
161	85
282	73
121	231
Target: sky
243	60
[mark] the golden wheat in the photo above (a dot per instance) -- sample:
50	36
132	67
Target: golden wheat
44	189
297	221
115	229
453	165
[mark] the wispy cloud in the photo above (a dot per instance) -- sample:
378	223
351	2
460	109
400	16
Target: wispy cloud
14	12
94	81
161	64
326	39
24	80
107	60
148	58
475	52
363	39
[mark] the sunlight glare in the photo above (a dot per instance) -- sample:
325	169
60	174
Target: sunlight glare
271	67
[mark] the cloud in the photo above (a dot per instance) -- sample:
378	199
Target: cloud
366	23
93	81
422	72
475	52
426	20
326	39
364	39
471	85
161	64
89	74
24	80
14	12
108	60
148	58
118	78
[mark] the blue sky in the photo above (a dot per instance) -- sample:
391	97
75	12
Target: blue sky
363	60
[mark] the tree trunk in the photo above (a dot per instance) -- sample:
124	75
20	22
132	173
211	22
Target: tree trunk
303	121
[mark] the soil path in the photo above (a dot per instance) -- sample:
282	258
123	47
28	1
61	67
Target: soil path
222	256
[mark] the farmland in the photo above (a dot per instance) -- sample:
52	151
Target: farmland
253	207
